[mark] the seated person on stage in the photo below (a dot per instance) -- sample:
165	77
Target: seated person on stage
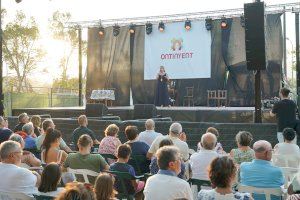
200	161
123	154
23	119
165	184
218	147
260	172
36	121
154	166
243	153
178	138
28	158
149	135
110	143
287	147
48	123
15	179
83	129
222	173
51	152
5	132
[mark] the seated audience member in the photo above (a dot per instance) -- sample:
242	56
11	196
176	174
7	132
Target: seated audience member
104	187
165	184
83	129
287	147
294	188
175	133
29	137
218	147
5	132
48	123
199	161
260	172
149	135
77	191
27	158
243	153
123	155
154	166
51	152
110	142
222	172
15	179
84	159
23	119
50	179
36	121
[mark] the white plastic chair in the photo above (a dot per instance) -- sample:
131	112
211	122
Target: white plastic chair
83	172
266	191
14	196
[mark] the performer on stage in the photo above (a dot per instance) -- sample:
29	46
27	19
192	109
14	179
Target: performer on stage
162	95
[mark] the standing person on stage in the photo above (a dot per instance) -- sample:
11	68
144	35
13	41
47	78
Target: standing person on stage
162	95
285	112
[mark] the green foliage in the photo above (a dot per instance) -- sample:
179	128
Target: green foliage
68	83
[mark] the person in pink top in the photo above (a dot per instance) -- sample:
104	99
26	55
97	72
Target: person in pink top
110	142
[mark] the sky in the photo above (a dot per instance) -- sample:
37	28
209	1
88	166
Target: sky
82	10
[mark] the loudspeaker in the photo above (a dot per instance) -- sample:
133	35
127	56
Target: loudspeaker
95	110
255	35
144	111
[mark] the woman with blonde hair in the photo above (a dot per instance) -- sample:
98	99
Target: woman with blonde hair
36	121
104	187
110	143
77	191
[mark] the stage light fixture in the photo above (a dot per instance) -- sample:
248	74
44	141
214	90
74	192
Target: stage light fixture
242	20
224	24
161	26
188	24
116	30
148	28
101	30
208	24
131	28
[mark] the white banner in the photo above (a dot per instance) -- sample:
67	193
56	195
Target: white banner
184	54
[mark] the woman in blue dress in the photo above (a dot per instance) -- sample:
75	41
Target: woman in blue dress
162	95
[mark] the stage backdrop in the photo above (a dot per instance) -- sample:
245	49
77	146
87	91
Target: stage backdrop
184	53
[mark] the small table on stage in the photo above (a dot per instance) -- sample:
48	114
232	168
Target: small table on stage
103	95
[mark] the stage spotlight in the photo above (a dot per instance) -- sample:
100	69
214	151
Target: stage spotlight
148	28
188	24
131	28
101	30
208	24
116	30
224	24
242	20
161	26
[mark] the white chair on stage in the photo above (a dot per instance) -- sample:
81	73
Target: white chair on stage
14	196
266	191
84	173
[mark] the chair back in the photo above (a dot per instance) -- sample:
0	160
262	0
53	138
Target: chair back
222	94
289	173
42	197
108	157
189	91
14	196
136	161
266	191
84	173
196	185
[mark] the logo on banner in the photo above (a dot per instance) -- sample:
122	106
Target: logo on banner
176	44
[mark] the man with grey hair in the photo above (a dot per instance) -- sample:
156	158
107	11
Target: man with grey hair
201	160
5	132
260	172
29	136
149	135
23	119
15	179
177	137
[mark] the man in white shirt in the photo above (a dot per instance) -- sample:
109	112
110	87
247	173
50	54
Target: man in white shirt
165	184
15	179
149	135
199	161
175	134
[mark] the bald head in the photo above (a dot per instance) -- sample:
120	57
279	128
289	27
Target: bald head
263	150
208	141
149	124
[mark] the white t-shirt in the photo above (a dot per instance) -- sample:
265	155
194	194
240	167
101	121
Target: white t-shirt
148	136
287	148
181	145
17	179
165	187
200	161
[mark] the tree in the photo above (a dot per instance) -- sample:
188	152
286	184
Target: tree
20	51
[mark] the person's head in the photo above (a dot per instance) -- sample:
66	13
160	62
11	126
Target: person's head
2	122
131	132
284	92
50	178
52	139
161	69
208	141
47	123
175	129
213	131
124	152
263	150
288	134
221	172
77	191
85	142
165	142
168	158
17	138
111	130
104	187
11	152
28	128
243	138
23	118
150	124
36	120
82	120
